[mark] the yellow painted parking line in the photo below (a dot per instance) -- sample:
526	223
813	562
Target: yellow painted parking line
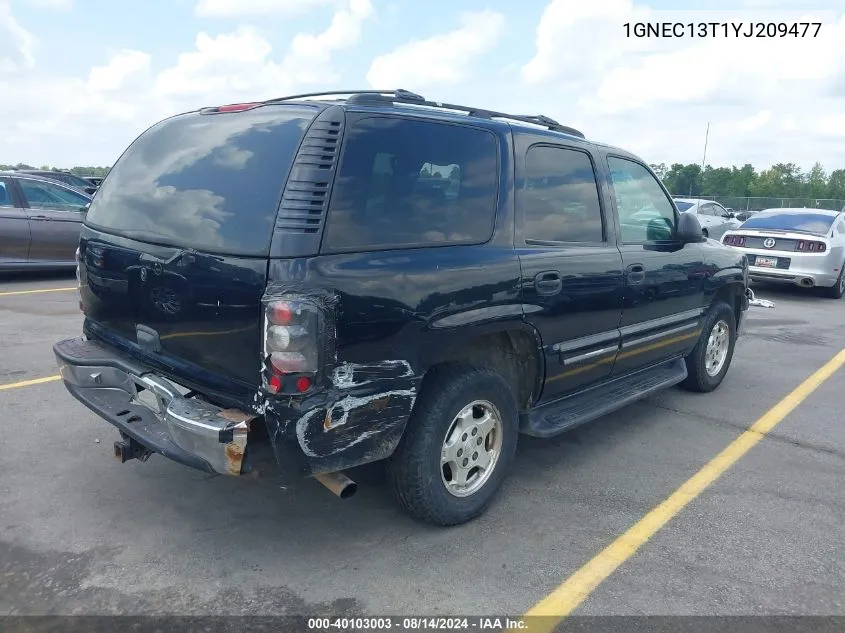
33	292
565	599
28	383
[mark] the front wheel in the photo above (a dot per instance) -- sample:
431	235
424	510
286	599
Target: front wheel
709	360
458	446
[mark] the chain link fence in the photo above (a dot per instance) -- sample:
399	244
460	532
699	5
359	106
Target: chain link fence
758	204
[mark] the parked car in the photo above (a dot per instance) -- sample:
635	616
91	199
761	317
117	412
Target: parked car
714	218
803	247
66	177
40	221
95	181
436	280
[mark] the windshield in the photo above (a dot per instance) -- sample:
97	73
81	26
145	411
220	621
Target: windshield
817	223
683	206
210	182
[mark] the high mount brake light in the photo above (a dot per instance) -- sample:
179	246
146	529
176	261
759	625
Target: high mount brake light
232	107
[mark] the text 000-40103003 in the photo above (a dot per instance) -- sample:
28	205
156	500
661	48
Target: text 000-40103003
721	29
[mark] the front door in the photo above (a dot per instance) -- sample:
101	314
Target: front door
571	266
55	216
664	280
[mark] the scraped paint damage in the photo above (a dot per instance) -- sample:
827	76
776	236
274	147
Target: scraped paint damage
349	375
337	415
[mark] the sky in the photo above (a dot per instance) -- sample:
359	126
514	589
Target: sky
80	79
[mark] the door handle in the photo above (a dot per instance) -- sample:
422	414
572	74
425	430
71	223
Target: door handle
548	283
635	273
40	217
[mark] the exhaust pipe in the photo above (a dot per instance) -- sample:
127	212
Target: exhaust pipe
807	282
338	483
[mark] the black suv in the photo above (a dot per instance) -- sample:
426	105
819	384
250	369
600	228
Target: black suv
375	276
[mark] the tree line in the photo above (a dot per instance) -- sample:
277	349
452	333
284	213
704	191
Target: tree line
79	170
783	180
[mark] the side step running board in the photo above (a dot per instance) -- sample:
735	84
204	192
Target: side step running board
585	406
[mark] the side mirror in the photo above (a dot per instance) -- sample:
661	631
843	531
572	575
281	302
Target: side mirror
742	217
689	229
730	214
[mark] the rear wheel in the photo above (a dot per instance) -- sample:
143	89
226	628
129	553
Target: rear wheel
458	447
709	360
838	289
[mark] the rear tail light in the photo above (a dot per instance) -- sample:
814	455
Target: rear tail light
810	246
291	346
734	240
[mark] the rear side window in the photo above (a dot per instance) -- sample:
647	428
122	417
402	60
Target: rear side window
405	183
43	195
560	198
209	182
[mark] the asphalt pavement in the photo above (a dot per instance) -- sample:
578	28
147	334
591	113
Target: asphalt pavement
82	534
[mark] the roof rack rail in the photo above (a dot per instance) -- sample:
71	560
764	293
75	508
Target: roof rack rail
398	94
401	95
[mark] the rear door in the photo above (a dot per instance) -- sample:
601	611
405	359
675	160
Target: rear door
14	226
176	243
55	215
664	281
571	266
719	219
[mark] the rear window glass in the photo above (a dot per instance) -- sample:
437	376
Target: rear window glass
560	196
405	183
210	182
683	206
803	222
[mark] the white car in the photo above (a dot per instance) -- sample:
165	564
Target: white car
713	217
803	247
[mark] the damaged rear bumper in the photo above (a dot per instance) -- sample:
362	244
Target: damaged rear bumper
152	410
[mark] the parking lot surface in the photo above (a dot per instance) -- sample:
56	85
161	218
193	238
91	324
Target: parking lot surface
80	533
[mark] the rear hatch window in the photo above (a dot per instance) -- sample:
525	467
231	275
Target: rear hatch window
816	223
210	182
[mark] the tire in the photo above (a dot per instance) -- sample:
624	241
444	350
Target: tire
838	289
719	317
416	478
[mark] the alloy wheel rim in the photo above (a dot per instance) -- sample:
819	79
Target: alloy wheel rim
165	300
471	448
717	348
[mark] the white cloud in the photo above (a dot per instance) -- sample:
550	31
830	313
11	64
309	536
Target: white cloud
440	59
52	4
233	8
17	45
240	64
768	99
44	118
308	58
118	70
